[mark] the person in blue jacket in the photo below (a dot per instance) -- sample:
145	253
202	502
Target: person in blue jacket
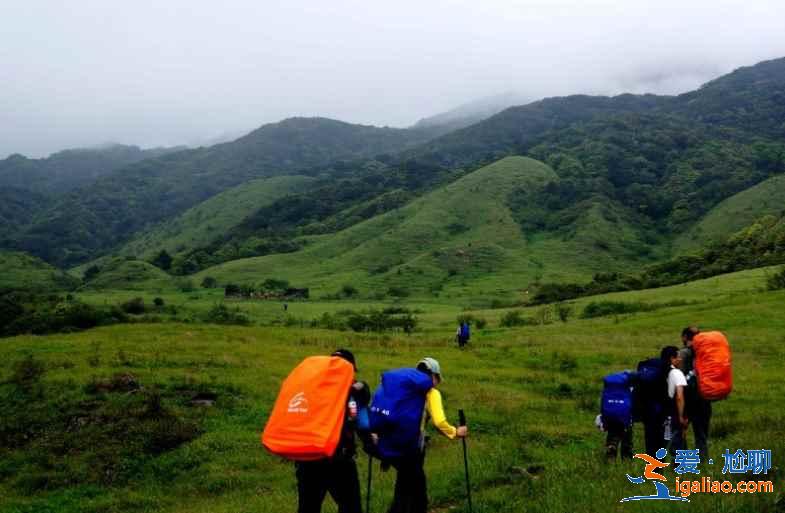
463	339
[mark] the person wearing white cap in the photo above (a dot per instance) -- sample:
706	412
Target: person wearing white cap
411	494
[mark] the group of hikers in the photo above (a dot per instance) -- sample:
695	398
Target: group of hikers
306	427
667	394
322	410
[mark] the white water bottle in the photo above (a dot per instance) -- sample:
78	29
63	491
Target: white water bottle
668	430
352	408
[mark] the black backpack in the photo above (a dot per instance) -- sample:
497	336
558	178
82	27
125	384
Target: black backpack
651	391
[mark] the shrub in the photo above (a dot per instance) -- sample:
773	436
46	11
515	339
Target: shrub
330	322
272	284
91	272
777	281
11	308
222	314
390	319
185	285
348	290
563	311
158	302
231	290
514	318
27	372
133	306
544	316
397	292
603	308
163	260
209	282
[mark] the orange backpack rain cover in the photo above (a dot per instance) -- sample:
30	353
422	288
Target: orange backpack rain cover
308	415
713	365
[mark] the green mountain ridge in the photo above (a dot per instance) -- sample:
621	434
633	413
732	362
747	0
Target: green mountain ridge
458	240
92	220
653	164
70	169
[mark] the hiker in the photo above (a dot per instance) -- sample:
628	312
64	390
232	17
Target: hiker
616	414
706	362
651	402
412	393
465	333
337	474
676	430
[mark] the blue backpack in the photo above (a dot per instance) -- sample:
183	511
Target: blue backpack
396	411
617	399
651	391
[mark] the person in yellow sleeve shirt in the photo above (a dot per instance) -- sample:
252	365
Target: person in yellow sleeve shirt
411	495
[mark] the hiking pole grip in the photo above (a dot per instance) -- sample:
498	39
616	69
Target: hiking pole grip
462	422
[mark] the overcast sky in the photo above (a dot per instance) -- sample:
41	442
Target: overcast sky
165	72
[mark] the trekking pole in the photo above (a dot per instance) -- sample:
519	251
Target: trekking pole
368	495
462	422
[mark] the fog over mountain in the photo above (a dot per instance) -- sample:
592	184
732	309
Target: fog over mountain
185	72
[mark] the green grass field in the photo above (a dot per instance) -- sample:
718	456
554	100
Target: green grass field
530	394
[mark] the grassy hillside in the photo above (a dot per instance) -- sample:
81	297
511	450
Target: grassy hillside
456	242
734	214
199	225
20	271
124	274
530	394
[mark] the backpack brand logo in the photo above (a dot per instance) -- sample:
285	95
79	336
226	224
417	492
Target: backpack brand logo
298	403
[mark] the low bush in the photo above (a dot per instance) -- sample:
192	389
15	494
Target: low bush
51	314
134	306
604	308
390	319
777	281
222	314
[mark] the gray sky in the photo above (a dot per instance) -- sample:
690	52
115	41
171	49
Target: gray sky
165	72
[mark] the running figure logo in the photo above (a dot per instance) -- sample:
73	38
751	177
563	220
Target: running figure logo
652	464
298	403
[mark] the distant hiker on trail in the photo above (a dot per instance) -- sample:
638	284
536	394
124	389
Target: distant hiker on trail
676	430
465	334
706	362
314	421
401	405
